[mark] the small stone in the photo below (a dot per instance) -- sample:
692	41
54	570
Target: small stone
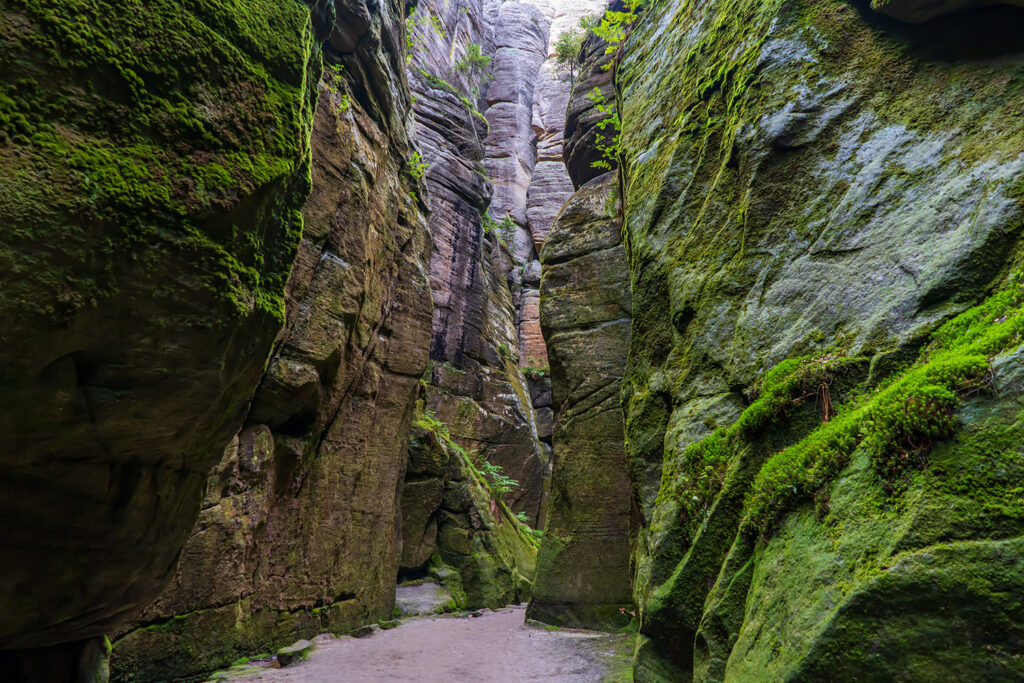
389	624
363	631
295	652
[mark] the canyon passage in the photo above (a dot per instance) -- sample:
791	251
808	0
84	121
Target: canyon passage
582	340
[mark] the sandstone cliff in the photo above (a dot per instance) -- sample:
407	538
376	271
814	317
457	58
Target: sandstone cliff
151	216
583	574
299	527
823	212
476	386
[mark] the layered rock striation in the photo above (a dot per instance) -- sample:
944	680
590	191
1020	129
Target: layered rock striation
584	572
476	386
823	212
526	111
299	529
151	212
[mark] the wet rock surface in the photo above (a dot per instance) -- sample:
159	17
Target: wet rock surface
822	208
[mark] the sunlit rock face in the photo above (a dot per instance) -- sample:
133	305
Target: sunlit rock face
823	212
298	528
526	110
476	386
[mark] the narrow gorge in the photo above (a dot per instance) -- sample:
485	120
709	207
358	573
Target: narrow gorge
575	340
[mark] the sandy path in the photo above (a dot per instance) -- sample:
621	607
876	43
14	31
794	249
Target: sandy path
496	646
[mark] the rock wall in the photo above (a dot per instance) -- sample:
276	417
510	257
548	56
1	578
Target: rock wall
299	531
822	401
454	531
151	213
476	386
584	572
526	105
583	576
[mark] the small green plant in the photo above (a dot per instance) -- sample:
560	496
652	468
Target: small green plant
567	50
417	167
615	26
435	21
523	518
536	372
412	21
475	64
436	81
589	22
334	79
498	483
607	144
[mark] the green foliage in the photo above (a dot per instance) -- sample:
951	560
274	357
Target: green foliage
334	79
607	144
412	22
436	81
498	483
614	26
536	372
567	50
474	64
417	167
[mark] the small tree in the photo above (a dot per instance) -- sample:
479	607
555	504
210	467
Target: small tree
476	65
567	50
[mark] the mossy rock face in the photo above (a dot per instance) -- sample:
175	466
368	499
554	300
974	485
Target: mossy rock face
451	528
297	532
155	159
811	192
583	572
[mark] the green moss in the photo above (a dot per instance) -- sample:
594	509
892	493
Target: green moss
897	423
155	119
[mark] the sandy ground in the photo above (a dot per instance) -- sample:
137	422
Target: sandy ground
496	646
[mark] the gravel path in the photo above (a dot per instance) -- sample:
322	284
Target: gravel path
497	646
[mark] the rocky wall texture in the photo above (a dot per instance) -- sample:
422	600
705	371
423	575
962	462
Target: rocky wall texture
453	529
526	104
150	207
822	400
583	576
476	386
299	529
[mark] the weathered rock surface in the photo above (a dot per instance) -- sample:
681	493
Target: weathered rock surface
150	222
526	110
450	528
583	576
476	386
816	191
583	118
298	530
